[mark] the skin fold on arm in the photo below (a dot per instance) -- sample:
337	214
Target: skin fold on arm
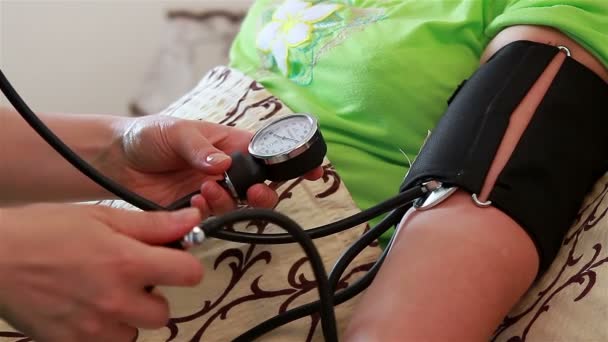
455	271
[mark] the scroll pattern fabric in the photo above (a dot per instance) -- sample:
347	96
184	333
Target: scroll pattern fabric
246	284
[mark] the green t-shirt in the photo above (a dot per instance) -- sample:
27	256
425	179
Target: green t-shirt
378	73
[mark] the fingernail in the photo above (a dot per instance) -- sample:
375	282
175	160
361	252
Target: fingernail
216	158
186	215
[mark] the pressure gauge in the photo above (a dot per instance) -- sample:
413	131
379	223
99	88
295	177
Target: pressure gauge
285	137
283	149
289	146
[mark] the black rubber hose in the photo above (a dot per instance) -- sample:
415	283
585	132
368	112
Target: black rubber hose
328	319
334	277
397	201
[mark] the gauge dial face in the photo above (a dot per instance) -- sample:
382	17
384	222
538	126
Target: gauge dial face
283	136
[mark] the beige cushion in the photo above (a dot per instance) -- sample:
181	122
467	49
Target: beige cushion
570	302
246	284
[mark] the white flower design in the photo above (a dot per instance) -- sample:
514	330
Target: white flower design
291	26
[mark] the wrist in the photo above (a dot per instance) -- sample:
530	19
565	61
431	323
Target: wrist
91	137
108	155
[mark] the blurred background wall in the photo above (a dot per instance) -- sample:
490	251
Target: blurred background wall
94	56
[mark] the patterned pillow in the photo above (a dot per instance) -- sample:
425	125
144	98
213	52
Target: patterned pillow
246	284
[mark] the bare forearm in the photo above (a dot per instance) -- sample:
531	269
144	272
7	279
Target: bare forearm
32	171
447	281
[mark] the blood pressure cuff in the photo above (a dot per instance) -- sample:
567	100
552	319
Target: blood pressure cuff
561	154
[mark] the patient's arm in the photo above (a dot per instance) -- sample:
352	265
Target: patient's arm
455	271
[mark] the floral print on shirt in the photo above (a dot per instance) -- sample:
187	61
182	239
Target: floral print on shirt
295	33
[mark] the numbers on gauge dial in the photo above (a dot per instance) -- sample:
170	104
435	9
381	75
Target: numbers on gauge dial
282	137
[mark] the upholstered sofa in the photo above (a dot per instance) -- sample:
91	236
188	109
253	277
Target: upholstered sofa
246	284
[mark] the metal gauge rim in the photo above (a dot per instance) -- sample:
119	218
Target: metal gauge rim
293	152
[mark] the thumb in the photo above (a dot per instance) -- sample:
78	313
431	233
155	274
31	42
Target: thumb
196	149
155	228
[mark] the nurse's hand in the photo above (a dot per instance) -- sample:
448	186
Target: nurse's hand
165	158
78	273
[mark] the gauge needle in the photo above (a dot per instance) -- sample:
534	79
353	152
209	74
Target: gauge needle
291	134
282	137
